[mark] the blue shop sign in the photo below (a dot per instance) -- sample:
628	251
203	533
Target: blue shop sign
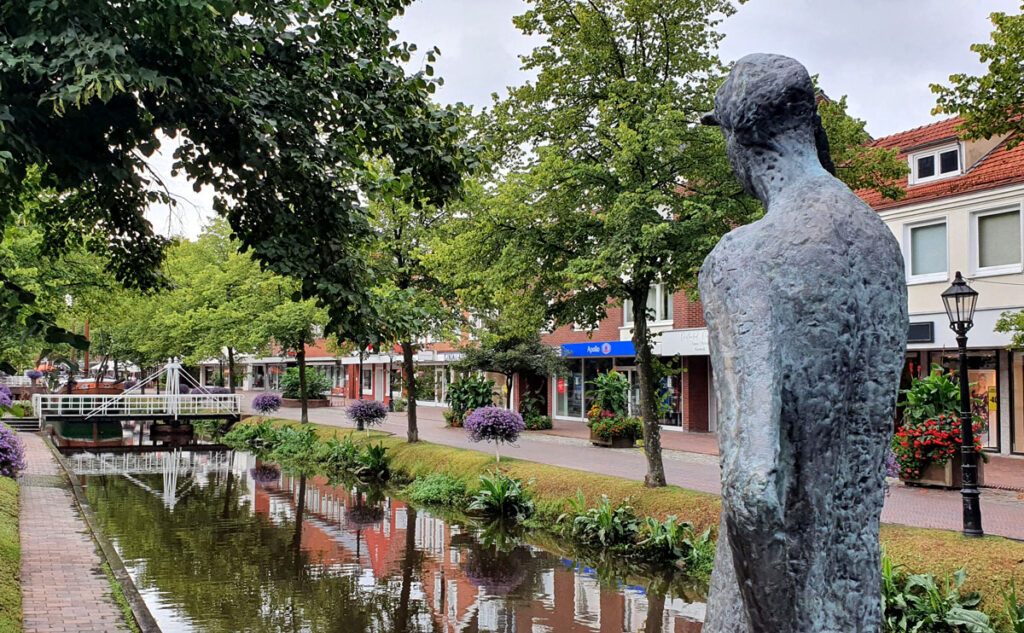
598	349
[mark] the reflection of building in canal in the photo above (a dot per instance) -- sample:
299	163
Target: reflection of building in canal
465	587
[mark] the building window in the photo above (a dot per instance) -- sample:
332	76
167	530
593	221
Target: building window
366	382
925	252
996	241
934	164
659	307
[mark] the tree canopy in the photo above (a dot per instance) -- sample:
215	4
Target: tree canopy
991	104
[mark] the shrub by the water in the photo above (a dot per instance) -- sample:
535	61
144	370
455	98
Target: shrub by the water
602	526
674	540
12	452
917	602
438	489
373	462
366	413
317	384
265	474
494	424
266	403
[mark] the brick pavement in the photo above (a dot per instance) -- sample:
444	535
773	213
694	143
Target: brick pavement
1002	511
62	581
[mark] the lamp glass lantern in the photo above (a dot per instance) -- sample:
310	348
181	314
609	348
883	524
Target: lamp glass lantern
960	300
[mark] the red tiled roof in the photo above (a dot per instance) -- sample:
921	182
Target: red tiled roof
997	168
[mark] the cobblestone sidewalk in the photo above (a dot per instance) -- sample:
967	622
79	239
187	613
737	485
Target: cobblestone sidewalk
62	581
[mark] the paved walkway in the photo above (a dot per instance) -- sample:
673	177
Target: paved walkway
1002	511
62	581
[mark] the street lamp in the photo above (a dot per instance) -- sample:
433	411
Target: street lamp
960	300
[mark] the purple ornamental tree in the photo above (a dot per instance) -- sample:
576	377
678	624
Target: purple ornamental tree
12	453
367	413
266	403
494	424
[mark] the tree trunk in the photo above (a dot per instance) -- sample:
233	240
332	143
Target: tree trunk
409	563
231	369
300	358
645	368
508	390
115	369
359	389
410	391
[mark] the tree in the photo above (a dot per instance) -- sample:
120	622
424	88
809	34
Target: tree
513	354
278	105
991	104
412	302
618	188
292	325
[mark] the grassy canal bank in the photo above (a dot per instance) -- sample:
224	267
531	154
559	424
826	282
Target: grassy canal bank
991	563
10	558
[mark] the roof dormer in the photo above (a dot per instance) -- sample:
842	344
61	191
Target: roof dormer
935	162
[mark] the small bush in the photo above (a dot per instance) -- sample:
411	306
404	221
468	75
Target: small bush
34	374
264	474
438	489
209	390
259	438
398	404
602	526
266	403
608	426
6	399
336	455
317	384
537	422
501	496
12	453
452	420
367	413
915	602
611	392
467	394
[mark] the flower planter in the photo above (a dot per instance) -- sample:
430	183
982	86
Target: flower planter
948	475
615	442
311	403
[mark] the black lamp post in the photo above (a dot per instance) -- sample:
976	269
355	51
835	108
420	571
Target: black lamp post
960	300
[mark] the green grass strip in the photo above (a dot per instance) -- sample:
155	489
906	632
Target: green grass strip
10	558
122	602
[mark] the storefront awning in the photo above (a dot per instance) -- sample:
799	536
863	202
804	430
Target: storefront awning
599	349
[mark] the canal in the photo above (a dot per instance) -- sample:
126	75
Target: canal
218	543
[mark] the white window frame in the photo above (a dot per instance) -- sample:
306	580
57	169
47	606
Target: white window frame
659	295
913	179
363	390
908	255
975	243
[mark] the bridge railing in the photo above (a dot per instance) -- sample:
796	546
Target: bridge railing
16	381
141	405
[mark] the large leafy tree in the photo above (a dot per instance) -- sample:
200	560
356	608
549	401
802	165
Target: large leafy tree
609	185
991	104
278	104
292	325
510	354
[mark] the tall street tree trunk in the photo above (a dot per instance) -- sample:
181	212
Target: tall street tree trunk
652	432
409	563
359	389
231	369
508	390
115	369
410	391
300	358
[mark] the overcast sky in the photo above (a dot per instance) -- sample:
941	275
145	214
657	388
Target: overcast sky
882	54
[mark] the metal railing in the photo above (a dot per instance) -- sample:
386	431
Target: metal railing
16	381
138	405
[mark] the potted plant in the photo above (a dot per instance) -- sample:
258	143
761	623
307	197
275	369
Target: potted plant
465	395
611	430
927	443
318	385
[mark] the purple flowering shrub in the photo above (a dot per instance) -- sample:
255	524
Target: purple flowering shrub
367	412
6	399
265	474
34	374
266	403
12	452
128	384
206	390
494	424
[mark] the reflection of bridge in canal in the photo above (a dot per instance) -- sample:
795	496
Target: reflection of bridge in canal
180	470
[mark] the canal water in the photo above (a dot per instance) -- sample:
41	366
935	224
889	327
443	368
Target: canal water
218	543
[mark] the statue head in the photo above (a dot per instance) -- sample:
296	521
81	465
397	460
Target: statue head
765	99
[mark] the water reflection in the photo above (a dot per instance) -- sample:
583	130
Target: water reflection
296	553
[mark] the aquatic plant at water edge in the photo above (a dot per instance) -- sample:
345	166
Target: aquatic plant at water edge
367	413
494	424
373	462
336	455
672	540
266	403
604	525
916	602
1013	611
12	452
501	496
437	489
259	438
